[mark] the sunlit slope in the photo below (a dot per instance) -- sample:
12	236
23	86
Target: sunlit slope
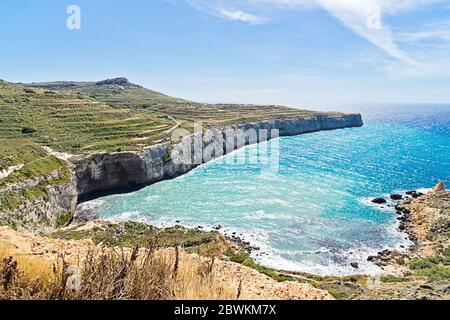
112	115
68	121
120	93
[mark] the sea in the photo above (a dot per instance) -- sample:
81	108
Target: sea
305	201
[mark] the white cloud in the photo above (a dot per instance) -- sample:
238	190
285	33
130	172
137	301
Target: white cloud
420	50
238	15
358	15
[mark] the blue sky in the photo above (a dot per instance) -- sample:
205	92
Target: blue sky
313	53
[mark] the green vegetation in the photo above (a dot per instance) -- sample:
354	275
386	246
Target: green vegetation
267	271
239	257
243	257
345	287
420	264
111	115
122	94
64	219
129	234
67	121
35	171
4	222
435	268
18	151
393	279
435	273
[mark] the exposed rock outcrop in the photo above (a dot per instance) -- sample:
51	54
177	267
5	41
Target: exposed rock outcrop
439	187
42	213
115	81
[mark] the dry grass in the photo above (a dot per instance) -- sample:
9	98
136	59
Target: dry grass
107	274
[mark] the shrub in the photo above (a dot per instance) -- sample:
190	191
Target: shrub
435	273
64	219
419	264
392	279
28	130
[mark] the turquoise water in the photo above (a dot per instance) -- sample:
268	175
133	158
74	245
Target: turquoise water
313	213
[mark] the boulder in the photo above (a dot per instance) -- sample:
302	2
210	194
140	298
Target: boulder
396	196
379	200
439	187
355	265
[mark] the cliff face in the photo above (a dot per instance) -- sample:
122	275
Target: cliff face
41	212
106	171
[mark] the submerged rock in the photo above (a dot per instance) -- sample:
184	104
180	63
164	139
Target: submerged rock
396	196
354	265
379	200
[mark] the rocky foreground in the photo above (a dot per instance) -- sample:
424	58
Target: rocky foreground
203	265
222	269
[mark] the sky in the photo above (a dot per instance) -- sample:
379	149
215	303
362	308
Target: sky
304	53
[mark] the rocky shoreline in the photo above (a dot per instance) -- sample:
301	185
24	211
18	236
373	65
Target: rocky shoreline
408	207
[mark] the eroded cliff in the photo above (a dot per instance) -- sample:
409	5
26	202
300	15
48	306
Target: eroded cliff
105	171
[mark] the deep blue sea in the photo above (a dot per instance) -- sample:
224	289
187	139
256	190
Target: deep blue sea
311	213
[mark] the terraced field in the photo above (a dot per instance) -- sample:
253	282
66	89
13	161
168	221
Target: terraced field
119	93
72	122
111	115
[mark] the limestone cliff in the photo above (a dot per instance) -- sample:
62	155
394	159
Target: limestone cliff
42	205
105	171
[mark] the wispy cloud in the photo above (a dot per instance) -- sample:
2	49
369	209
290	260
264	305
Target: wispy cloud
421	50
364	17
227	10
238	15
436	31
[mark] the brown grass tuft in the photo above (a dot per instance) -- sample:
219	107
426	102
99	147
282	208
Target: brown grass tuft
110	274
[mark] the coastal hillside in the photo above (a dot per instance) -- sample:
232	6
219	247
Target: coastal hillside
64	140
120	93
113	115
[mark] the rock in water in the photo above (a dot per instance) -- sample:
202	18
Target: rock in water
379	200
396	196
439	187
354	265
